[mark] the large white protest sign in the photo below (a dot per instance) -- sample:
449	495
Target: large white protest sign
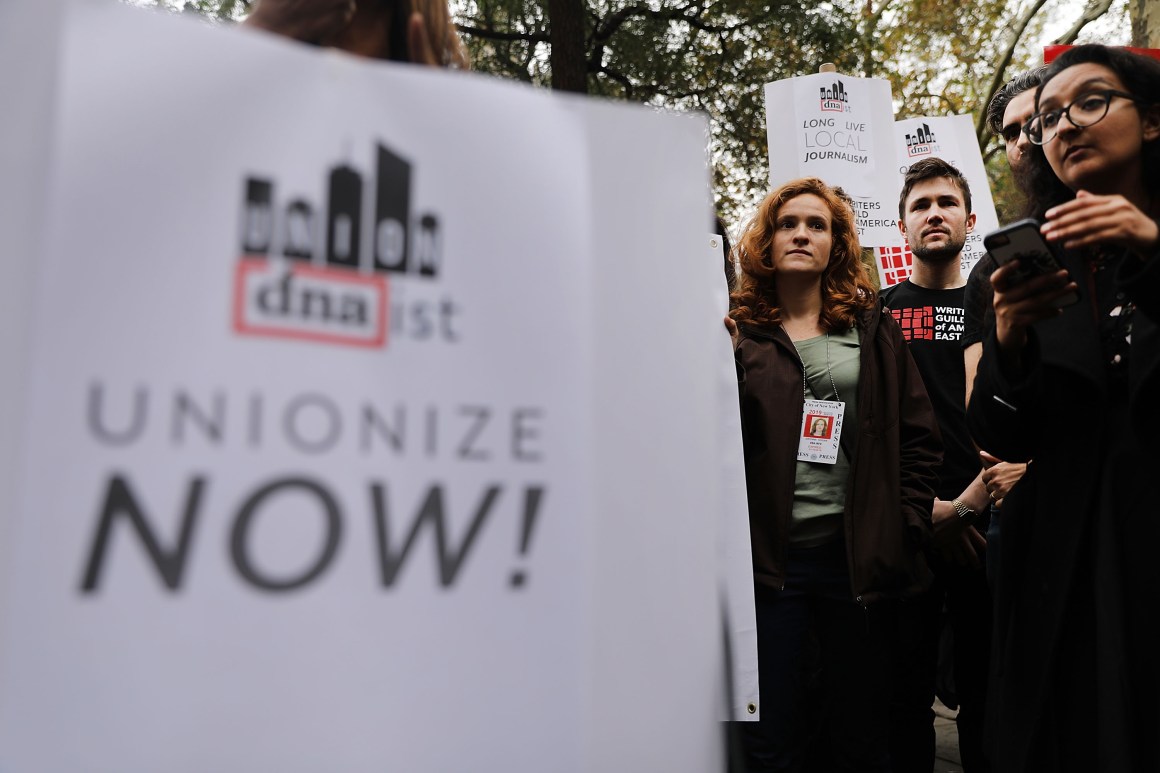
838	128
951	138
734	546
345	439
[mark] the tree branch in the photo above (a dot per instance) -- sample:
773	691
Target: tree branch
1090	14
619	78
616	21
486	34
870	19
997	79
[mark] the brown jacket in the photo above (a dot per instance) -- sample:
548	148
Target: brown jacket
892	475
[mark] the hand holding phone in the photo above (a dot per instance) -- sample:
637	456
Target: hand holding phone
1021	243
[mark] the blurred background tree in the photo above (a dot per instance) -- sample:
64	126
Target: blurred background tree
941	57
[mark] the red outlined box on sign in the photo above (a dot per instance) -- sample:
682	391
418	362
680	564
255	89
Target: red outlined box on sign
309	303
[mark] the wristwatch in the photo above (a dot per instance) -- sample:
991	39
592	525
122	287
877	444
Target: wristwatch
965	513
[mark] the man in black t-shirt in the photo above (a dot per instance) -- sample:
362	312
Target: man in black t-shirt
935	216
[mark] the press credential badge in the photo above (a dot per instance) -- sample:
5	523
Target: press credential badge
821	431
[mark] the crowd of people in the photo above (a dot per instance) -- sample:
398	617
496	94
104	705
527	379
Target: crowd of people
1031	431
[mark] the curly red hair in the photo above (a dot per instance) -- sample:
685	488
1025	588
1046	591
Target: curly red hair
846	288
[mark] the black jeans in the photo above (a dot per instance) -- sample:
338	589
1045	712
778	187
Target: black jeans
822	672
964	595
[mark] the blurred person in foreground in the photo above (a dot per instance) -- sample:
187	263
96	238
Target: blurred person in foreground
418	31
1077	389
835	535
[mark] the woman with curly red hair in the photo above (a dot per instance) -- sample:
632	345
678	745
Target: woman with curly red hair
836	522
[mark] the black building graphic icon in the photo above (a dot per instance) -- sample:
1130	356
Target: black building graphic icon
258	217
392	212
400	243
921	138
835	93
834	99
344	217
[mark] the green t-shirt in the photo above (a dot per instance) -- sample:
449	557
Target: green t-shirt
819	494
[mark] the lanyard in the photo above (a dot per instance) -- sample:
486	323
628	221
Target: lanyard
807	387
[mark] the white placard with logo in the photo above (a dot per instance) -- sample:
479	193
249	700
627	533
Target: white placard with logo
333	451
838	128
734	547
951	138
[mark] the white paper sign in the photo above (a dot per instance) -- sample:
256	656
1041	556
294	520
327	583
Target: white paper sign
838	128
334	452
951	138
736	553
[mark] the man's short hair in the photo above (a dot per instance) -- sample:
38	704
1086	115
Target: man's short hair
1014	87
927	169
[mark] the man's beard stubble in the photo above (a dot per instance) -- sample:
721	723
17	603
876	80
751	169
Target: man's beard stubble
943	254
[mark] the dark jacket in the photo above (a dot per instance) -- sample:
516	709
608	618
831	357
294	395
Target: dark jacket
892	475
1073	619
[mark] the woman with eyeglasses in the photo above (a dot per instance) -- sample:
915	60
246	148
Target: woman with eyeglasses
1077	614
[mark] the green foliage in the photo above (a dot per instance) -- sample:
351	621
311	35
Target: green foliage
681	54
214	10
941	57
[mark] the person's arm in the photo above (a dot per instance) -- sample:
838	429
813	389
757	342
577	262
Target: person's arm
734	334
1004	413
919	441
956	535
999	477
978	317
971	356
1090	219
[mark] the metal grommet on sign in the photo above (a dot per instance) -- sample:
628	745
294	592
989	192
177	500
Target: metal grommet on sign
751	708
712	242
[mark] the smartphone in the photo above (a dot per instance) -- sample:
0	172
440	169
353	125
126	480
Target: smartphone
1023	243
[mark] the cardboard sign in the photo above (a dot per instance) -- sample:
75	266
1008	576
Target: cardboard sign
332	451
838	128
734	548
951	138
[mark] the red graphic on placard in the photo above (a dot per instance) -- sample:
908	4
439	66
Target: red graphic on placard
917	323
310	303
302	269
894	264
819	426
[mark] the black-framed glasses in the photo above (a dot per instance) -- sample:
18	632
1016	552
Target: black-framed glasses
1083	111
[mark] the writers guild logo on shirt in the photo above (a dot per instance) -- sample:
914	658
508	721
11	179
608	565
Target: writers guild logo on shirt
921	143
834	99
930	323
317	272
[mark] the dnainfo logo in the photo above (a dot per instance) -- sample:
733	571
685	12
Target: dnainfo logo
921	142
834	99
322	270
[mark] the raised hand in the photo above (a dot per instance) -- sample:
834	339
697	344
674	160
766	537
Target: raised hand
1091	219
